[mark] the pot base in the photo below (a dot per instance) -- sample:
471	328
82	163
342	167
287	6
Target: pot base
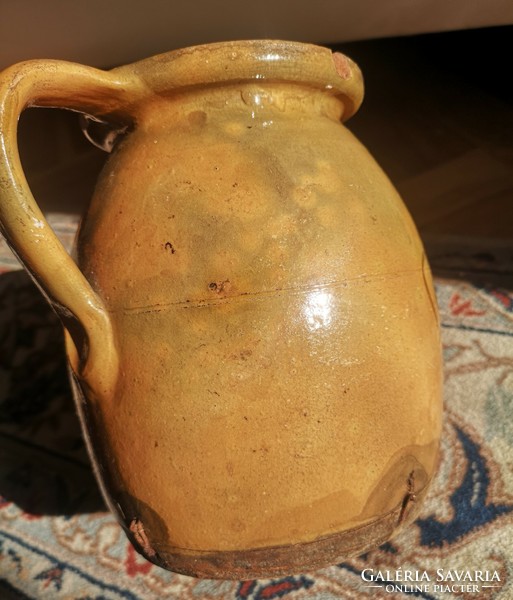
289	559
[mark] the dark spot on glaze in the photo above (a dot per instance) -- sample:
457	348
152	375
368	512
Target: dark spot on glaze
219	287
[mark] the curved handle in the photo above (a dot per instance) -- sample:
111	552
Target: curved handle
93	355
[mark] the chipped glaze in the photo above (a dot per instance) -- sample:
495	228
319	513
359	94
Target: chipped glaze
251	327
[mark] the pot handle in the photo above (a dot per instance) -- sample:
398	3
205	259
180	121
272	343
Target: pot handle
90	341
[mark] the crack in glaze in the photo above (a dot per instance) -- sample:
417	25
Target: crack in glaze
201	303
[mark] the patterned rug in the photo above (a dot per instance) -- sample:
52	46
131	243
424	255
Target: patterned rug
57	541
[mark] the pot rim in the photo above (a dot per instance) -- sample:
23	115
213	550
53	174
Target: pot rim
253	60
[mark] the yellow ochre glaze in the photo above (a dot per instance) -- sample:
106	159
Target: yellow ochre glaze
251	325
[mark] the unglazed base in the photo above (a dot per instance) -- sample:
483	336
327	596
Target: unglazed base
291	559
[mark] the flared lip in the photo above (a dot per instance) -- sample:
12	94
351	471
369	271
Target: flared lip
262	61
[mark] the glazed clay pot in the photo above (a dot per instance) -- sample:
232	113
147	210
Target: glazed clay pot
251	327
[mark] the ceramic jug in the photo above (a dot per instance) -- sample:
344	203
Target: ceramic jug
250	321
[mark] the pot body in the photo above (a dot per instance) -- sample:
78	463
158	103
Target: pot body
276	400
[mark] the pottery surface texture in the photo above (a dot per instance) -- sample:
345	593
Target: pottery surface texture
251	327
